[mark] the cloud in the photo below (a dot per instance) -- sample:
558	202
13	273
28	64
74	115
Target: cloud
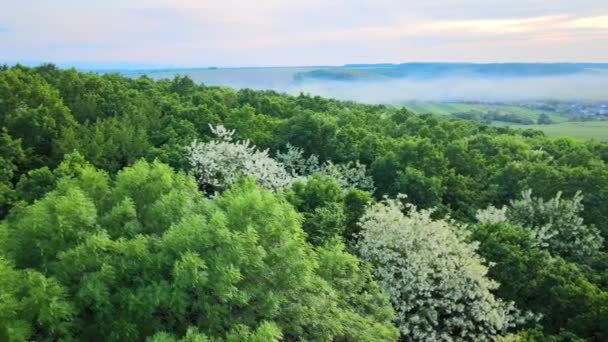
591	22
301	32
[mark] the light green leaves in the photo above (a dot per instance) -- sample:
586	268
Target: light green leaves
146	253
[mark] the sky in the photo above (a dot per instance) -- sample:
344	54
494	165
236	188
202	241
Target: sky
228	33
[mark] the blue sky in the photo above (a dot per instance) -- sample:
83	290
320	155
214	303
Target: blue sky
301	32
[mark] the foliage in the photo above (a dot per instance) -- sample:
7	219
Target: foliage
146	255
349	175
328	210
544	119
32	306
492	215
538	282
11	156
295	163
556	224
85	207
265	332
459	166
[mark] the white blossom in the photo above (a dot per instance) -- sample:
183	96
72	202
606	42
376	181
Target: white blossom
557	224
436	281
492	215
296	164
349	175
219	163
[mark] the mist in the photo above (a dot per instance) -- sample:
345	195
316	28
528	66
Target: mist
574	87
577	87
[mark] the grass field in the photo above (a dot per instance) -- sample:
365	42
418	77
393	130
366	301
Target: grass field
587	130
450	108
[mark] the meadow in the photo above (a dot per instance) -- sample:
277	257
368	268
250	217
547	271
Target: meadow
584	130
561	127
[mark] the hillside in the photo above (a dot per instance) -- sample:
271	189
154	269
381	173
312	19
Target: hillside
166	210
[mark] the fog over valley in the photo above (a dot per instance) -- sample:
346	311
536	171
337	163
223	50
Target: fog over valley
362	85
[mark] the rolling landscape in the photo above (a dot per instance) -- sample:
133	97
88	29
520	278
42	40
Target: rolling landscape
237	171
461	90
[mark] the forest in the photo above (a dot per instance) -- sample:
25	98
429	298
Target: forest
135	209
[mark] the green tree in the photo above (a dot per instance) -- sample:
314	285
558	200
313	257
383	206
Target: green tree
35	184
147	255
32	306
33	112
543	284
11	156
544	119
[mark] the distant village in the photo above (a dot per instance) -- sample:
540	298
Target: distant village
570	108
578	110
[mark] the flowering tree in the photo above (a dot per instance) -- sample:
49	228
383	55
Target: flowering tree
347	176
296	163
492	215
436	281
555	223
219	163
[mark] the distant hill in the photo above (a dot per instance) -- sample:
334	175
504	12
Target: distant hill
340	74
367	72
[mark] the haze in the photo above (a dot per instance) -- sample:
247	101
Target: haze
573	88
589	87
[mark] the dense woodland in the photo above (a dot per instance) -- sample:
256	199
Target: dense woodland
135	209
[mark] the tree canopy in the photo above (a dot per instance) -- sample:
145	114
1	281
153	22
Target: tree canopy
134	209
147	255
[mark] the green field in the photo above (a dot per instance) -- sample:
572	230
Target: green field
450	108
585	130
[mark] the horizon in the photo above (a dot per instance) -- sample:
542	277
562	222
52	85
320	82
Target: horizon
134	66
